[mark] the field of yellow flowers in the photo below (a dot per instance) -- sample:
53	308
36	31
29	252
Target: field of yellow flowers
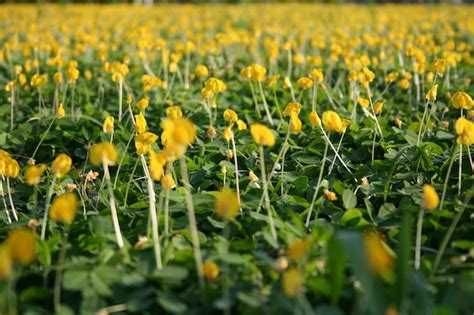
236	159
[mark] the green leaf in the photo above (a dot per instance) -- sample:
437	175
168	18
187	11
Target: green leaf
171	304
349	199
336	266
75	279
351	217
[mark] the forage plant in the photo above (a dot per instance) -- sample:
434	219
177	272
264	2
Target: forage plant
262	158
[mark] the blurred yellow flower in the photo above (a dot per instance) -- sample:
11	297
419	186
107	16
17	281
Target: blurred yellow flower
64	208
461	100
226	205
430	197
61	165
104	152
140	123
379	258
210	271
21	245
332	121
431	95
33	174
262	135
292	282
108	125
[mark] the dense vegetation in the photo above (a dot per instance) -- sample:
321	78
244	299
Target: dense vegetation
276	159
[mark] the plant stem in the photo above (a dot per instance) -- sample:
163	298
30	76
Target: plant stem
419	228
422	121
192	220
2	193
120	100
450	232
42	138
12	112
334	149
265	194
121	160
448	173
316	189
46	207
459	172
15	216
113	209
153	217
59	271
265	105
236	165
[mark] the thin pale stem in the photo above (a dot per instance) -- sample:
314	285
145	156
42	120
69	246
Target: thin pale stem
459	171
2	194
265	193
10	198
450	232
113	209
192	221
42	139
46	207
267	111
120	100
338	149
318	184
153	216
448	173
59	271
12	111
334	149
419	229
236	165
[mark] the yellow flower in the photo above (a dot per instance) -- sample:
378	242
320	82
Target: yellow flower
262	135
314	119
6	263
292	282
431	95
369	75
241	125
253	178
9	167
317	75
64	208
58	78
430	197
226	205
287	83
378	107
378	256
174	112
461	100
21	245
33	174
272	80
330	195
61	165
332	121
292	107
363	102
439	66
157	162
304	83
178	132
61	112
298	249
108	125
143	103
403	84
246	73
10	86
140	123
392	76
295	122
167	181
104	152
210	270
227	134
230	116
144	141
465	131
201	71
258	72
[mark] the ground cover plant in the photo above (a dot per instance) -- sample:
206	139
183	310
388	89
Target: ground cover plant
254	159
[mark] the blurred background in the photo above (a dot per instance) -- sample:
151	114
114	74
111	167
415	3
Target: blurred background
149	2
